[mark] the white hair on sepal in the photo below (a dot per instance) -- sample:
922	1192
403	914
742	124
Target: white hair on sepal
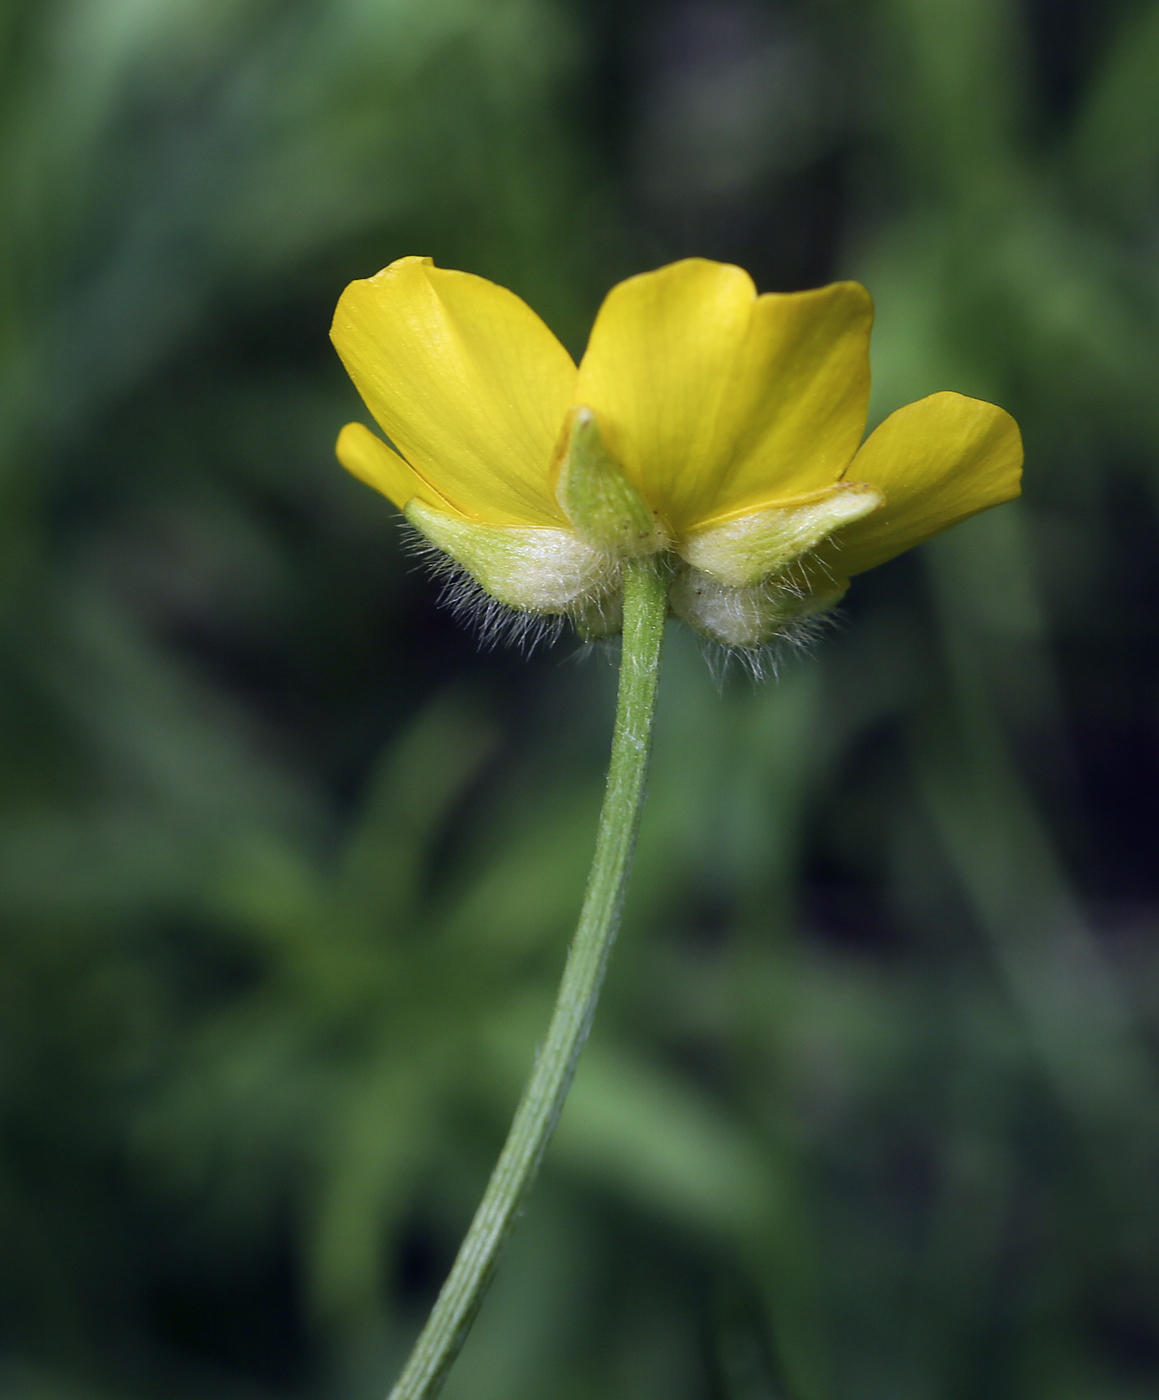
787	604
606	650
798	637
757	627
495	623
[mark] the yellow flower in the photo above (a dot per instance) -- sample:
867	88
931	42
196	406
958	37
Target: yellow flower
716	426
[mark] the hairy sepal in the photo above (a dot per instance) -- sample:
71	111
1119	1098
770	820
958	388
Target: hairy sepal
596	496
748	617
743	552
533	569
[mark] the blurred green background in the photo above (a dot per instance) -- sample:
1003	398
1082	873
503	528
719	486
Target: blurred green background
287	865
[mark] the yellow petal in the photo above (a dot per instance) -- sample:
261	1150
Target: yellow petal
371	460
466	380
937	461
717	401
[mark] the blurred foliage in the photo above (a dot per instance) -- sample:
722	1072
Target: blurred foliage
287	866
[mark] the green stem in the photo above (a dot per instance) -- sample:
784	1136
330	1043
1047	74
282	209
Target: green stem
645	607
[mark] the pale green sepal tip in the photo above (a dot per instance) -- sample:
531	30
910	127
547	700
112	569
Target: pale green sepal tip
741	552
596	496
747	616
540	569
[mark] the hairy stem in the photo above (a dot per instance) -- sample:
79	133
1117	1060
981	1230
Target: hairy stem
439	1343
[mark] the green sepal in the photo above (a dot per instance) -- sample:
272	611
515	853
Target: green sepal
541	570
741	552
749	616
596	496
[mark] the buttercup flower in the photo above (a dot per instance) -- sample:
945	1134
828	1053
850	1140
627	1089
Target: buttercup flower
719	427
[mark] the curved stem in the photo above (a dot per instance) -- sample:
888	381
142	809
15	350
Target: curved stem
645	607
